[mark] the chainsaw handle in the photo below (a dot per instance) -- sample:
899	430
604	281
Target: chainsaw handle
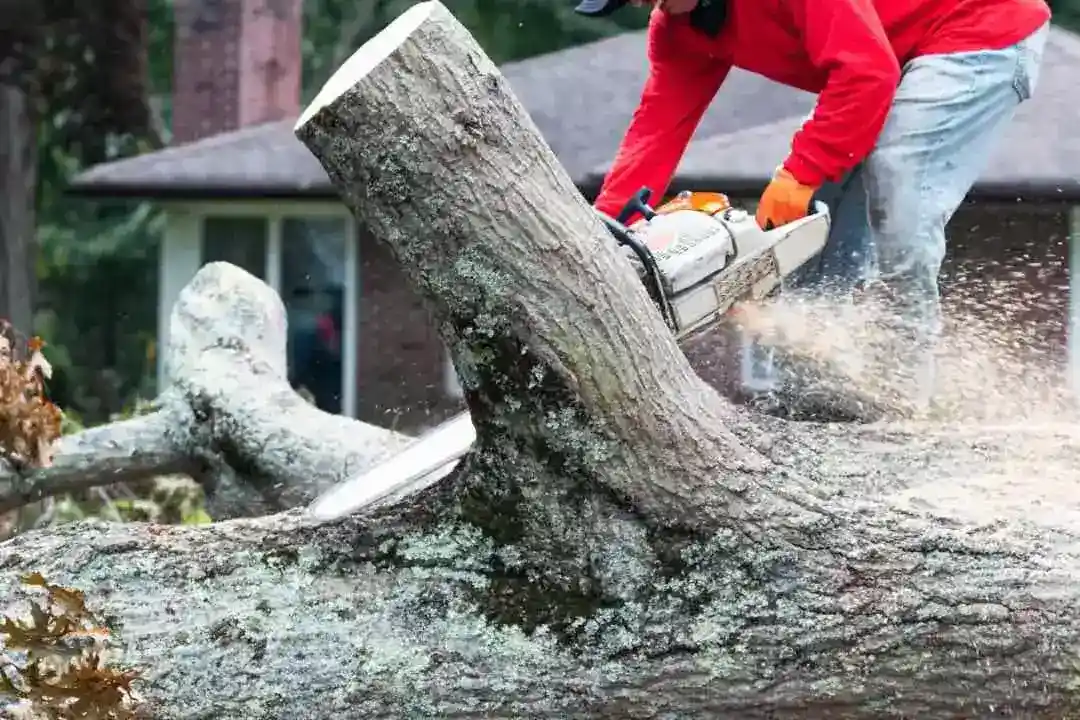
654	282
638	204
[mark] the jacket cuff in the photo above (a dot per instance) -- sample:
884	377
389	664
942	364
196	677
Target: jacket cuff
804	172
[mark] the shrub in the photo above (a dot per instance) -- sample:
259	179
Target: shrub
29	422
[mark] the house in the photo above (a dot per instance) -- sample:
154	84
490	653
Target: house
237	186
1012	244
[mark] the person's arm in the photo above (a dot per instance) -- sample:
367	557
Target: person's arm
844	38
679	89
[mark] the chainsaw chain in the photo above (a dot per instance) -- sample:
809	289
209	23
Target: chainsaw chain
738	282
737	286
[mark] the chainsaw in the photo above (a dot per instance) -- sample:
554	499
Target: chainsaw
697	256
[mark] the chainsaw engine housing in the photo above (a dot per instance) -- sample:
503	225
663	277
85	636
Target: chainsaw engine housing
707	256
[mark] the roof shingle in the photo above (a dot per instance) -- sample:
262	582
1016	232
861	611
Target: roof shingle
581	100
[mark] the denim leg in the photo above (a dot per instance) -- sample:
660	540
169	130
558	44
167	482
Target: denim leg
845	261
847	258
948	112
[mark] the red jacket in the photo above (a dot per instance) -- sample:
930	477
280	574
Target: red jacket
848	51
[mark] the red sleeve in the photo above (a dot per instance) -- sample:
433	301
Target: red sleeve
679	89
846	40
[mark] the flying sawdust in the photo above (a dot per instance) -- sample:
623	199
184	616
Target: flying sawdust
994	365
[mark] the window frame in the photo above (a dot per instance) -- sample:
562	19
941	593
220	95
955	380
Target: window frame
273	213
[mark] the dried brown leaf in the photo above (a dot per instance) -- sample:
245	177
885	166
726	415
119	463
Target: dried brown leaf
65	675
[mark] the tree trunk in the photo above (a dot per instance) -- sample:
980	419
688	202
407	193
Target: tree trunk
622	543
18	193
429	609
558	349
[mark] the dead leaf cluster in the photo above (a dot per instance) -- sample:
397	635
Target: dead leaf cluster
53	663
29	422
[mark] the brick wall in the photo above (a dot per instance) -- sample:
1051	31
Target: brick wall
236	63
400	356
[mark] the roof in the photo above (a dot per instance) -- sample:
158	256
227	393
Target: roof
581	99
1039	157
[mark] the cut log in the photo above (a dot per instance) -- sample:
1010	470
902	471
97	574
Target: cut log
892	609
622	543
226	365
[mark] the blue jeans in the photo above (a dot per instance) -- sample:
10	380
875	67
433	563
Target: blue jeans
889	213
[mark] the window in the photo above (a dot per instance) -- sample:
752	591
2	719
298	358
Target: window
311	262
241	241
313	288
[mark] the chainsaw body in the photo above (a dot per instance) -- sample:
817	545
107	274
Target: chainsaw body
698	256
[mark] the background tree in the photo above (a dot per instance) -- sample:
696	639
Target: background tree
1066	13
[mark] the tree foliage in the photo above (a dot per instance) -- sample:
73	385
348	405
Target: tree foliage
508	30
1066	13
53	663
83	61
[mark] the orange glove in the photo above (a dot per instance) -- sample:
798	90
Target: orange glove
784	200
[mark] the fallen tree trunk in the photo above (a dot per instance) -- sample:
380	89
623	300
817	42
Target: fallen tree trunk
622	543
433	609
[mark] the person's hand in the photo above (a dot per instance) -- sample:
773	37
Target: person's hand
785	200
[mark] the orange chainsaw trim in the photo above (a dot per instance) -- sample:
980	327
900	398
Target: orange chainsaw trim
706	202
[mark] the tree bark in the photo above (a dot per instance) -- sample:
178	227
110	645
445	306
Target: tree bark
548	325
622	543
433	609
18	192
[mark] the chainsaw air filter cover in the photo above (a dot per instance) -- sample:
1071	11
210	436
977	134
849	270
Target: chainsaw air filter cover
689	246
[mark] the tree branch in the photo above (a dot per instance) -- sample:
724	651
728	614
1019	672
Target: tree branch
125	451
229	417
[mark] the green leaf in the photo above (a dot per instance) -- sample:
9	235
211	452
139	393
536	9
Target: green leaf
198	516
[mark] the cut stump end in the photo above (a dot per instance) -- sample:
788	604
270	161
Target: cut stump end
369	56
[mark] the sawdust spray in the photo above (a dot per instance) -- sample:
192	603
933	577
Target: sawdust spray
993	365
